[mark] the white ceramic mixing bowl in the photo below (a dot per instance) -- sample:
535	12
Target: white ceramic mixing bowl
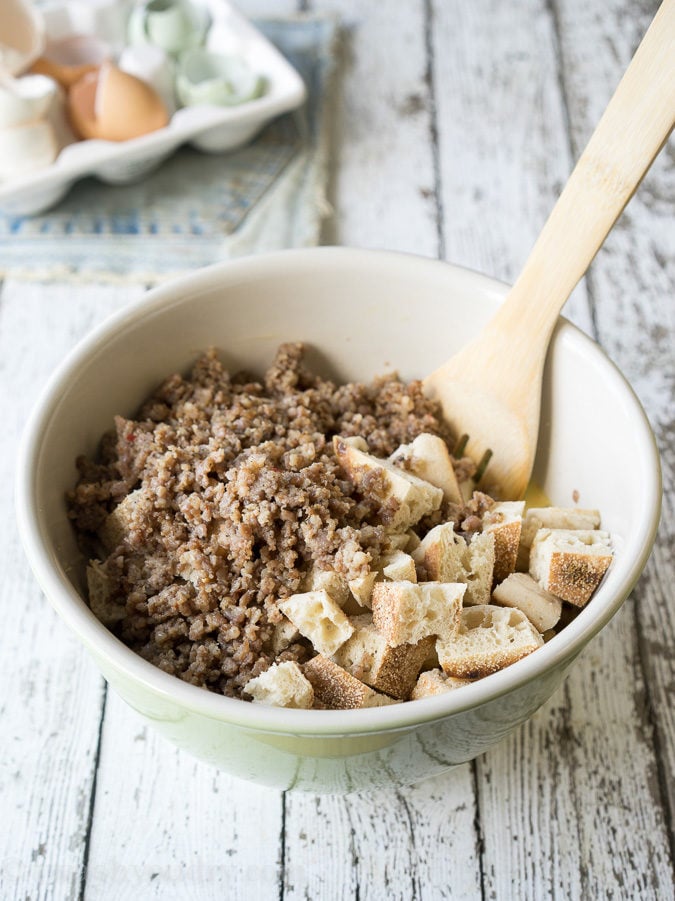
362	313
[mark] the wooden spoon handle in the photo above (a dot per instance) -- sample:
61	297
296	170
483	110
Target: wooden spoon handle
634	127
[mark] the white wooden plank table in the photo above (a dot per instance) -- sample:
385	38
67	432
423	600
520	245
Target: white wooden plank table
456	125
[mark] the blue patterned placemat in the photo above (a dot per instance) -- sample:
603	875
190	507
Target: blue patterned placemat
196	208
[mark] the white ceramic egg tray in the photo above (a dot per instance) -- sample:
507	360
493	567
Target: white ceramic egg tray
210	129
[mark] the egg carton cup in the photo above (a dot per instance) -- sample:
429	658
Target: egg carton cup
210	129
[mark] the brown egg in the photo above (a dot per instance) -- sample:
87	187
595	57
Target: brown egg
69	59
114	106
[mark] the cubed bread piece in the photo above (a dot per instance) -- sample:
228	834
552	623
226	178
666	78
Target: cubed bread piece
398	567
413	497
428	458
362	589
570	563
573	518
284	634
435	682
331	582
536	518
447	557
336	689
541	607
406	612
319	619
282	685
489	638
118	524
368	657
480	569
442	553
504	520
101	602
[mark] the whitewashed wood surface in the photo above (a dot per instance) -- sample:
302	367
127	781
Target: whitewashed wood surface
456	124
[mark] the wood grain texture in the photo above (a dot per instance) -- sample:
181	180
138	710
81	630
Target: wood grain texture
51	694
632	286
383	173
570	802
452	135
503	145
550	780
622	831
443	822
168	826
400	845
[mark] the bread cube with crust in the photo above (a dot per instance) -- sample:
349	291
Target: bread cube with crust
407	612
412	498
570	563
361	589
442	553
282	685
428	458
369	658
318	618
479	569
447	557
504	520
536	518
336	689
435	682
489	638
571	518
542	608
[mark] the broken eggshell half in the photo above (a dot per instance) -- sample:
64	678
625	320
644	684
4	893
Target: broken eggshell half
216	79
151	65
172	25
112	105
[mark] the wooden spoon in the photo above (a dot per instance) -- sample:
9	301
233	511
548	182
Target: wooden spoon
491	389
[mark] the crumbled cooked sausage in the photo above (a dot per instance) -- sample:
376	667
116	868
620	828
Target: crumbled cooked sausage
241	493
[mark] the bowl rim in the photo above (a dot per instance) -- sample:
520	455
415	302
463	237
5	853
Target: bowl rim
72	608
